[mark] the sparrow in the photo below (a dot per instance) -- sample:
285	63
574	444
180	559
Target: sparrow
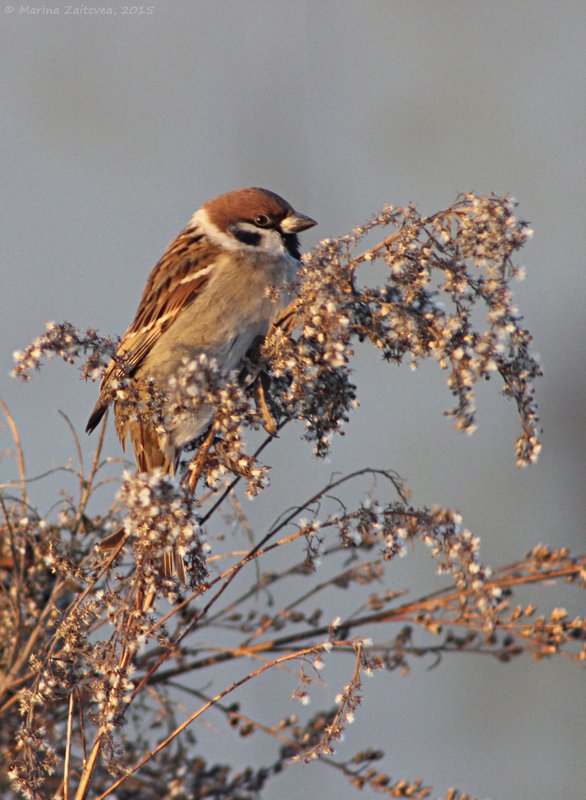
211	293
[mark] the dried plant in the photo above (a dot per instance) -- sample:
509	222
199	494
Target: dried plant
93	678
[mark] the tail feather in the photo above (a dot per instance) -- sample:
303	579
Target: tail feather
147	449
150	455
96	416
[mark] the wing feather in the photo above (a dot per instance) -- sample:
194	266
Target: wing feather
174	283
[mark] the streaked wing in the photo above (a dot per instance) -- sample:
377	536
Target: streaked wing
177	279
172	285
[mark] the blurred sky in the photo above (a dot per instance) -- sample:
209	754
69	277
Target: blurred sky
114	129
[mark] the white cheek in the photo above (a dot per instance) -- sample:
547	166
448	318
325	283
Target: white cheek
271	243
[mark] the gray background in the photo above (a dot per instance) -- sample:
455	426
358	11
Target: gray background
115	129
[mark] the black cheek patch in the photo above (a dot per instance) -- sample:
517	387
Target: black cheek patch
246	237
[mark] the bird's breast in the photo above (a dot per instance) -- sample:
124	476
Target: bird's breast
236	306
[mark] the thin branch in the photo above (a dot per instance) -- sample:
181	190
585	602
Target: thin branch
19	450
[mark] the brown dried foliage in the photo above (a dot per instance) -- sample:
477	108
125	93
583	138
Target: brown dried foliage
90	677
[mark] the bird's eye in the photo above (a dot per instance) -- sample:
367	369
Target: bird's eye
262	221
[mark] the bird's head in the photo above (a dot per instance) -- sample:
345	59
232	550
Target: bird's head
254	219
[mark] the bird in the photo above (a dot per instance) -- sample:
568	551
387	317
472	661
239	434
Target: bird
209	294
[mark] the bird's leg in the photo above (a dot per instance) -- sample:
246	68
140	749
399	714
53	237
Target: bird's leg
198	463
287	319
261	386
254	376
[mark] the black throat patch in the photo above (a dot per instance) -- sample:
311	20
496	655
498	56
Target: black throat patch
291	243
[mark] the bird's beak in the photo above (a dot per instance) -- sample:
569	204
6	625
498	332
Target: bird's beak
295	222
